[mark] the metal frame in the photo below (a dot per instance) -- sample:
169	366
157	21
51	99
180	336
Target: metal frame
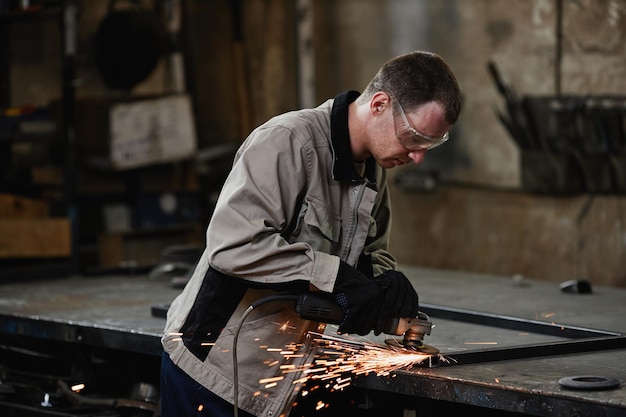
580	339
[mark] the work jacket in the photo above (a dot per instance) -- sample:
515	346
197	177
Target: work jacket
291	208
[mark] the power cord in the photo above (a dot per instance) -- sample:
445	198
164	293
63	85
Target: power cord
252	306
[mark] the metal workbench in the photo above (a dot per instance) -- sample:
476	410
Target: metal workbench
115	312
529	385
107	311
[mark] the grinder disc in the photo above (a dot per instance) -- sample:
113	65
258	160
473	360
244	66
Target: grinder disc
421	347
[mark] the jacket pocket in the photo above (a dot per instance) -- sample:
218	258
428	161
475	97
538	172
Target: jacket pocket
319	216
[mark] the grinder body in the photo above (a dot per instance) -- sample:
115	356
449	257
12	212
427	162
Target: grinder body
322	307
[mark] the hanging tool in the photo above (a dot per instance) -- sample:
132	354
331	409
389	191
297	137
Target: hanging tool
516	120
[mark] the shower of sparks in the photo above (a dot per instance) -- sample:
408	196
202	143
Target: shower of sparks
336	361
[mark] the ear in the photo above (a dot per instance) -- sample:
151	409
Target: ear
379	101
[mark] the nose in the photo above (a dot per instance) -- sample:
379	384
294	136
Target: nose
417	156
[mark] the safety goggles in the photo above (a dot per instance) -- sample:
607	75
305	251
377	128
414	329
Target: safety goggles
411	138
408	136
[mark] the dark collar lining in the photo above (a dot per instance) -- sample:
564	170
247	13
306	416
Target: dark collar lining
343	165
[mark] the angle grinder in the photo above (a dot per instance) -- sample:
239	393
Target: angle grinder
322	307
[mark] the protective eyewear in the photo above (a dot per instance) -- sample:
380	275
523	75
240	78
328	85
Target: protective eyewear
411	138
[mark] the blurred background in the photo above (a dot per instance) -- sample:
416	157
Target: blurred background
120	119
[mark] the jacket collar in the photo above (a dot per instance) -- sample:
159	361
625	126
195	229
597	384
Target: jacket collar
343	164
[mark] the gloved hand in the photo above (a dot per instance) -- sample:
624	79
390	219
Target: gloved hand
399	297
360	298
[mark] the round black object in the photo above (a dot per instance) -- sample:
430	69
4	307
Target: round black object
589	382
128	46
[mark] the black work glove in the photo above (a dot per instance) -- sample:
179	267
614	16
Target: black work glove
360	298
400	298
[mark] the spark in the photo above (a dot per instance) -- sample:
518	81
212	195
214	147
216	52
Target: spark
77	387
337	361
273	379
200	407
302	381
284	326
544	315
178	336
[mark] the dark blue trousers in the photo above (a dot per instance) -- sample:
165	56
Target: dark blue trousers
182	396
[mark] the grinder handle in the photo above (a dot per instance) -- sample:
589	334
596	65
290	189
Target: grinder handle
319	307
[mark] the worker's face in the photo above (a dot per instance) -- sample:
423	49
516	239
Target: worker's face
407	136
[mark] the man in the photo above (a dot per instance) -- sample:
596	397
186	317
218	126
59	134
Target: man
305	208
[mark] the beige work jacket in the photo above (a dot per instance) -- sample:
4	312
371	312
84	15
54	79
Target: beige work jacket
291	208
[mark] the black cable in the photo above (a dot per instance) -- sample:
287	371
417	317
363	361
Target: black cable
252	306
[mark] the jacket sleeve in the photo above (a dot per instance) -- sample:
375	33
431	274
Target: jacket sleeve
255	208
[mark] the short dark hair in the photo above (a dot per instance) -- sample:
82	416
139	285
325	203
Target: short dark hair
417	78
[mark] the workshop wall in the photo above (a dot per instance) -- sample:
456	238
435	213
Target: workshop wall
35	63
490	226
242	68
519	37
510	233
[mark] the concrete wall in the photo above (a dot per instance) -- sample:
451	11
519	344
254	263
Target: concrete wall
511	233
240	81
352	38
519	36
491	227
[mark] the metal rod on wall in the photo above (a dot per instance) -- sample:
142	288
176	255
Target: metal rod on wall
306	54
558	50
68	27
